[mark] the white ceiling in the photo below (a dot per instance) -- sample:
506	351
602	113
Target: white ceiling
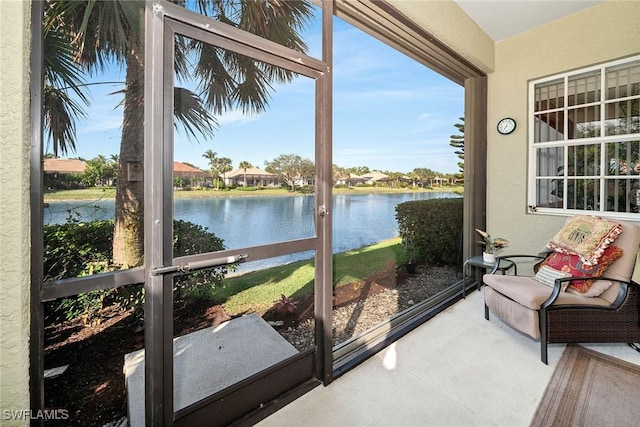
501	19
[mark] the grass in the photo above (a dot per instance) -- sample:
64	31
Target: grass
259	290
110	192
94	193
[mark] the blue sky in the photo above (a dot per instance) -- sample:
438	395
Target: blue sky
390	113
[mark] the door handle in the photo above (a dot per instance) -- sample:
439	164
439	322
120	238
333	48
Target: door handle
199	265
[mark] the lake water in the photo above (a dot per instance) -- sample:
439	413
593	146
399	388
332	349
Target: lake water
358	219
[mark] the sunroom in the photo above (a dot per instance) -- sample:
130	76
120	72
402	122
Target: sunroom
521	185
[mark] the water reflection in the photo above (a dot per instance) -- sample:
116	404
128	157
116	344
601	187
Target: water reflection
358	219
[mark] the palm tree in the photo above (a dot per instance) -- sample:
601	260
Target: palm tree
245	165
99	33
212	158
224	166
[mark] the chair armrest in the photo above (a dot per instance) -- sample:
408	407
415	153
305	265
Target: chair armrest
538	258
557	286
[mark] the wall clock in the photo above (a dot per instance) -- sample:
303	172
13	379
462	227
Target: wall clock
506	126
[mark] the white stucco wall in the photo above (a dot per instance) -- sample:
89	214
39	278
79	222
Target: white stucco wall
14	208
599	34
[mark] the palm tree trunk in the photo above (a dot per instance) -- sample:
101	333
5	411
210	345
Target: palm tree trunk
128	236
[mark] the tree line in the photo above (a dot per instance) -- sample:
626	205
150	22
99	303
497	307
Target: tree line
291	169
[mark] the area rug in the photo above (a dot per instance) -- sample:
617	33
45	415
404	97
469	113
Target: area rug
590	389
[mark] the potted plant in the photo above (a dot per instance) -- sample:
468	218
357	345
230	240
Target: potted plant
491	245
409	266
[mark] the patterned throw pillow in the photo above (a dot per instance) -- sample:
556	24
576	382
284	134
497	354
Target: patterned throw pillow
572	265
585	236
548	275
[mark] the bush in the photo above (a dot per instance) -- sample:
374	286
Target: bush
431	230
191	239
70	249
80	249
67	181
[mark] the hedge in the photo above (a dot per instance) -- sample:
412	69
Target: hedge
431	230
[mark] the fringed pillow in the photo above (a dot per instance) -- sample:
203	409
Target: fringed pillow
569	265
585	236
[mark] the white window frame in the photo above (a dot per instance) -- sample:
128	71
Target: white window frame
602	140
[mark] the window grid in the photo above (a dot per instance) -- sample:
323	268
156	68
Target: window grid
584	140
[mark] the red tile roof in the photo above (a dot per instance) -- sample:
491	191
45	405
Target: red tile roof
184	169
64	166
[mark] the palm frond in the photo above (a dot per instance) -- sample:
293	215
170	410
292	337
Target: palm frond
252	94
216	82
103	31
277	20
192	115
60	70
229	79
60	115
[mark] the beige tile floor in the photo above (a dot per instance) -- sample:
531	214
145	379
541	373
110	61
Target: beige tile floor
455	370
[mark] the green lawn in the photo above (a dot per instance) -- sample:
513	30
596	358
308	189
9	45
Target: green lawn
256	291
84	194
110	192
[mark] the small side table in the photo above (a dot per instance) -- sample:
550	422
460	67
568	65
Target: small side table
503	265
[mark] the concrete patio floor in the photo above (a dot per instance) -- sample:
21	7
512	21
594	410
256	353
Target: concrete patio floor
455	370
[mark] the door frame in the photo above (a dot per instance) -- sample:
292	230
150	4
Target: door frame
163	21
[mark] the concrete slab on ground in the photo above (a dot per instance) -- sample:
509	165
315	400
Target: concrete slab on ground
209	360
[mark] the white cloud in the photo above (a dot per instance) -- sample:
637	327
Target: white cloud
236	117
100	123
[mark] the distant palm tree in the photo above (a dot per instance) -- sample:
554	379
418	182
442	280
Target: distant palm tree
245	165
224	166
96	34
212	158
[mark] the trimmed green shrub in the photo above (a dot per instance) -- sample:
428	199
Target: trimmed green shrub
431	230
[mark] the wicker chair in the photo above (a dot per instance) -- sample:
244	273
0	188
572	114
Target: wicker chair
554	316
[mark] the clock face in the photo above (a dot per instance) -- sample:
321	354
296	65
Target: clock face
506	126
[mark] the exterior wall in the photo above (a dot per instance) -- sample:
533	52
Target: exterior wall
445	21
605	32
14	214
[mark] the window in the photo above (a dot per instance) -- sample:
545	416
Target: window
584	141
